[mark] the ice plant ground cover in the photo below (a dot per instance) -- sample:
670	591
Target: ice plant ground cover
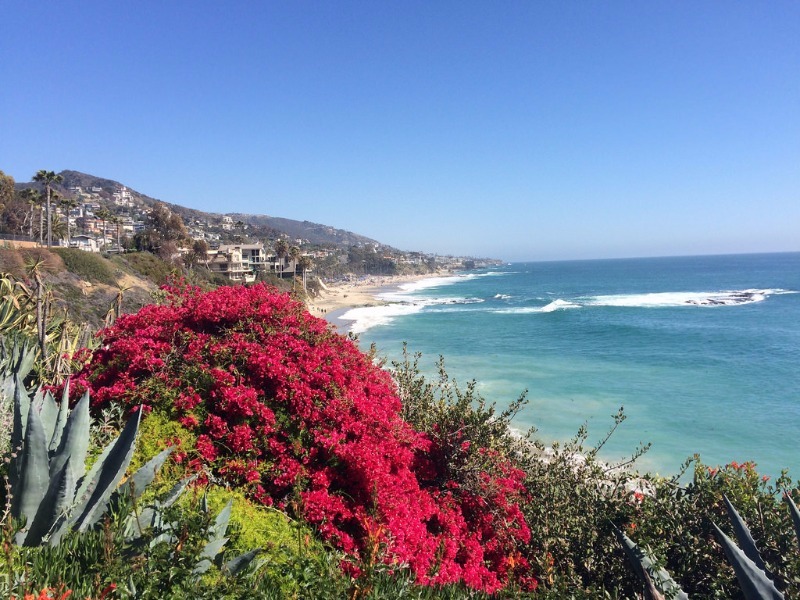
297	416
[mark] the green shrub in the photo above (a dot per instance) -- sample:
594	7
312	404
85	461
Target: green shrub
676	524
150	266
572	498
87	265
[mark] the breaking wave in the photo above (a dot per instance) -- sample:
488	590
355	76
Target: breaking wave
366	317
654	300
673	299
552	307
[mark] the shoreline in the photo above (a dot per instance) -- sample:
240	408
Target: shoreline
338	297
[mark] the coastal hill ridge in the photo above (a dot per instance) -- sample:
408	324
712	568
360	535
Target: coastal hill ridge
315	233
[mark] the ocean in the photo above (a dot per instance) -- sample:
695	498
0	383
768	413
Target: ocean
702	352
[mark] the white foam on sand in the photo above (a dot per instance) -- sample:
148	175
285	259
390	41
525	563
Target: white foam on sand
402	301
367	317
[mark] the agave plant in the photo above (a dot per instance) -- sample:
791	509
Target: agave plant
54	494
17	307
50	487
16	357
163	531
657	581
752	574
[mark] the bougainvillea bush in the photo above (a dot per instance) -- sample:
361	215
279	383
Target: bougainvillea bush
296	416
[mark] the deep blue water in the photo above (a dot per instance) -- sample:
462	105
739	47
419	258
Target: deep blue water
702	352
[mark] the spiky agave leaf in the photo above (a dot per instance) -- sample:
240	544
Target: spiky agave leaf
48	413
795	515
216	539
221	522
647	570
754	582
743	536
152	516
26	358
56	502
109	475
240	563
61	421
34	473
22	406
144	476
651	593
74	443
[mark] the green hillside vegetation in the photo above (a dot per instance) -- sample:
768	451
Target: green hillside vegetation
87	265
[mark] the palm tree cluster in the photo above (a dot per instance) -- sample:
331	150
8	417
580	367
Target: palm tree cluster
48	178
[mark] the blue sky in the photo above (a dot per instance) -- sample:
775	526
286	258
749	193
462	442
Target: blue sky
521	130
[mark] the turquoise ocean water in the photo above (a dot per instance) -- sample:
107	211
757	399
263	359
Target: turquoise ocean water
703	352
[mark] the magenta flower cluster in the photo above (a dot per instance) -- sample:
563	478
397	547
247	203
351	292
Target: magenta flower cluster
295	415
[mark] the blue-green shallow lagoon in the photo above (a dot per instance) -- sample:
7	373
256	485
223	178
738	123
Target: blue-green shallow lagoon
701	351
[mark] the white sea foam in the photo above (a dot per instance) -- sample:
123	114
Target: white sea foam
403	301
559	305
672	299
552	307
502	297
423	284
365	317
654	300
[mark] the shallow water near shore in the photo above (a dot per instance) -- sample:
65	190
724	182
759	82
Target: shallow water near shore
703	352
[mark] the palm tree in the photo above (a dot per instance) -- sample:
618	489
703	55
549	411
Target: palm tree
48	178
68	204
103	214
294	254
55	199
117	221
281	250
34	198
305	264
59	228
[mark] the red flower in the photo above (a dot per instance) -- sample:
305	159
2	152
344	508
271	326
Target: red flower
297	416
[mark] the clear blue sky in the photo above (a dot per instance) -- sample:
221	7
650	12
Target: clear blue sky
523	130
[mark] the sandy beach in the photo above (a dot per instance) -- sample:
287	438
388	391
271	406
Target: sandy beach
363	291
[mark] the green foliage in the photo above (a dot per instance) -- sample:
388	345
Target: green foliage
677	524
49	490
154	566
753	575
458	420
87	265
150	266
574	500
657	581
258	526
157	432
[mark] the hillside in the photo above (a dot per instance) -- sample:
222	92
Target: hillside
316	233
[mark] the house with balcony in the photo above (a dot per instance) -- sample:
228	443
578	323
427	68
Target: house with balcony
227	261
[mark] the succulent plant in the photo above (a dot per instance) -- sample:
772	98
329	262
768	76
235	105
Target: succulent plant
53	493
50	487
795	515
754	578
657	581
751	572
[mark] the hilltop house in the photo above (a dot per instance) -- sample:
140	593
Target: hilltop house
84	242
244	262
